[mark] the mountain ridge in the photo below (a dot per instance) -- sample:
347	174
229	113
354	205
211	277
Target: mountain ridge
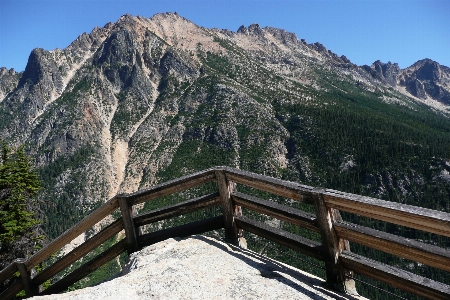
145	99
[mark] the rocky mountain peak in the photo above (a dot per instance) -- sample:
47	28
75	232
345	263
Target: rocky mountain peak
427	79
38	68
4	71
426	69
8	81
385	72
148	99
281	34
253	29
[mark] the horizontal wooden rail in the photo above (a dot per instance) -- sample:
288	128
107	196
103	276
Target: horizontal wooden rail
396	213
273	209
327	203
295	242
7	272
77	253
172	186
399	278
198	227
13	290
87	268
272	185
177	209
89	221
424	253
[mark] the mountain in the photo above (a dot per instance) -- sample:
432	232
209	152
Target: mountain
144	100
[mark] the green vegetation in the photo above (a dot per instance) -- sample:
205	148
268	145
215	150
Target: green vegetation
20	235
233	110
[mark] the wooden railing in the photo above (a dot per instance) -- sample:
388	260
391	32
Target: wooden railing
335	233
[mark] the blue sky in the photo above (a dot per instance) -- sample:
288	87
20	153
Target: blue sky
401	31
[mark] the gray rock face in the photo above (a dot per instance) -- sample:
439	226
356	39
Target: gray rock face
199	267
141	101
8	81
386	73
424	79
427	78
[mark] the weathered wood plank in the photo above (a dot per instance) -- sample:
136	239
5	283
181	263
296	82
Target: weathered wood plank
25	276
399	278
326	217
89	221
424	253
282	237
198	227
12	291
87	268
7	272
272	185
128	224
172	186
401	214
228	210
177	209
273	209
95	241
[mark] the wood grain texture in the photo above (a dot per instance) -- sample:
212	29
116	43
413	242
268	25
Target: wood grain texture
424	253
12	291
273	209
7	272
401	214
25	276
177	209
77	253
228	210
89	221
128	224
272	185
401	279
282	237
86	269
326	217
172	186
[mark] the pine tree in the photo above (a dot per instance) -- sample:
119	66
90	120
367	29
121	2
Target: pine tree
19	185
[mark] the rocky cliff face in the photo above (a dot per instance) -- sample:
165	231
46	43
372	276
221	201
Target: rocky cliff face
144	100
8	81
204	268
427	79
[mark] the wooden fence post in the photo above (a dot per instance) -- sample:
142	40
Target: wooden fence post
233	234
337	277
30	289
128	224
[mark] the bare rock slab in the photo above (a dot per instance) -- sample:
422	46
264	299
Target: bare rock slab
201	267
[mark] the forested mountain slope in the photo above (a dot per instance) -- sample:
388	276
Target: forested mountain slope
141	101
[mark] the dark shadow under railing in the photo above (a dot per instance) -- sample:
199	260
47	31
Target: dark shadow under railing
333	248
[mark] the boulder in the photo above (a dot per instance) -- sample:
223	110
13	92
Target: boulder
202	267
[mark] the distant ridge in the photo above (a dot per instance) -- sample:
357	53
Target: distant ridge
144	100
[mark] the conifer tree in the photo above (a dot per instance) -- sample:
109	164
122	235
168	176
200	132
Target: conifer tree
19	185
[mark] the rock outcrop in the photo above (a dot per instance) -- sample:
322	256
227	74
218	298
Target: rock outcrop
200	267
145	100
427	79
8	81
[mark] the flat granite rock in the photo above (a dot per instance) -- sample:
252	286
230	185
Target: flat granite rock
201	267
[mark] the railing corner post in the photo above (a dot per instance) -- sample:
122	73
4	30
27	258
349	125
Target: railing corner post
128	224
233	234
337	277
25	275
